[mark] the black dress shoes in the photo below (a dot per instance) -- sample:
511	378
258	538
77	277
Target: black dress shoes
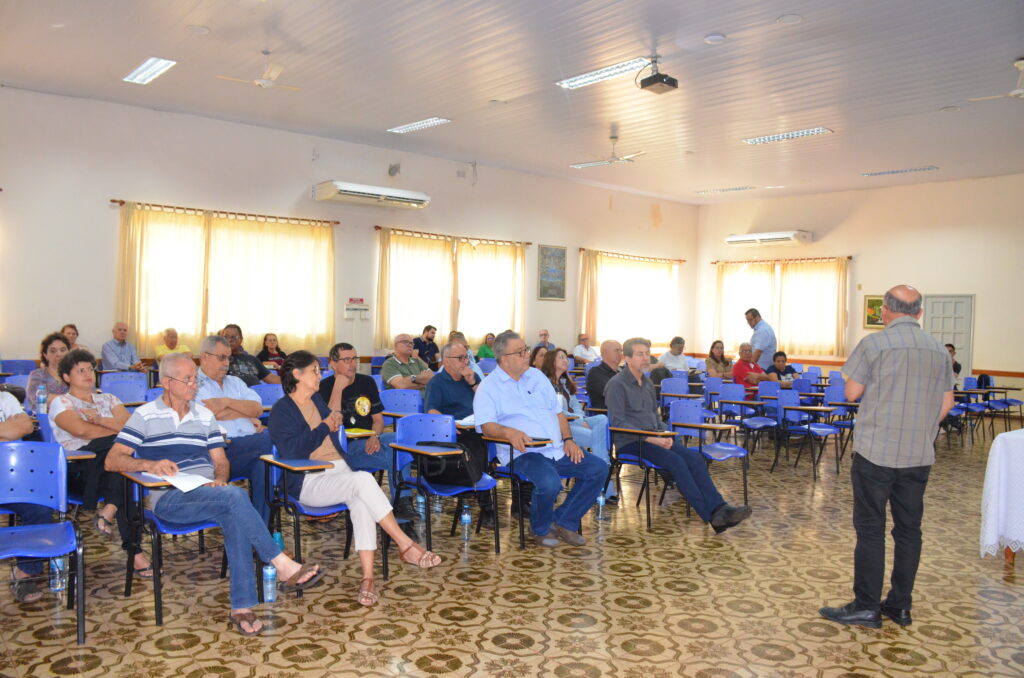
897	614
851	615
726	516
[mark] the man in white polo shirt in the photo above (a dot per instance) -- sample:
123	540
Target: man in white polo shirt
584	353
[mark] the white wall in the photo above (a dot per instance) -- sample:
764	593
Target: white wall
62	159
957	237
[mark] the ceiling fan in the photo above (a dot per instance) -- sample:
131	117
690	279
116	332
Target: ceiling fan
1017	93
611	160
269	78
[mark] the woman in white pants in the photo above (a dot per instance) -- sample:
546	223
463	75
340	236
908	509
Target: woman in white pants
303	427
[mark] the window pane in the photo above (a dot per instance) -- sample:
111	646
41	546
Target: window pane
636	298
497	305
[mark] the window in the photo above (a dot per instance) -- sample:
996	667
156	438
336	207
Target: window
196	271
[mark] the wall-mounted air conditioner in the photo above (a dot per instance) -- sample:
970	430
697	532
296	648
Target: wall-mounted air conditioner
343	191
776	238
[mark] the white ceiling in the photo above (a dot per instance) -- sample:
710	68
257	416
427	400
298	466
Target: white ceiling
875	71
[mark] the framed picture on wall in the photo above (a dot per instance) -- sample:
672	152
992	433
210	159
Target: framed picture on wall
873	312
550	272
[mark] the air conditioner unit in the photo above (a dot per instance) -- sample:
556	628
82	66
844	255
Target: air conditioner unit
342	191
776	238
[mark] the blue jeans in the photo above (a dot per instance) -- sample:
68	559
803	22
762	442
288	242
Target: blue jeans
229	507
594	437
381	460
244	455
546	476
30	514
688	470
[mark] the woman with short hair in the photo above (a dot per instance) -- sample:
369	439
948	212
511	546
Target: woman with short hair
70	332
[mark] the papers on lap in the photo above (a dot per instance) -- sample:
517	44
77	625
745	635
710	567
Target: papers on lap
186	482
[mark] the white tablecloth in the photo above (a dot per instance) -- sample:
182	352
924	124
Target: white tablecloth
1002	502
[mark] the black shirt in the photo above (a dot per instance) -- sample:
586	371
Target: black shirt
359	401
956	368
597	380
428	349
247	368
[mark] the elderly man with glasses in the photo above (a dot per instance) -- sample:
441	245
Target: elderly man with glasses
244	365
403	369
517	403
237	409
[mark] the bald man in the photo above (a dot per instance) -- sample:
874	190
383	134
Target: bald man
906	379
598	376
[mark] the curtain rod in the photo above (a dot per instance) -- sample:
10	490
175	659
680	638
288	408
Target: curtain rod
118	201
776	261
636	257
459	237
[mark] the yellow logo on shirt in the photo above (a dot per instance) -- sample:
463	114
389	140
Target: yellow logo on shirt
362	406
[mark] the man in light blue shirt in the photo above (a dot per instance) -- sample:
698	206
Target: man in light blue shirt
517	403
763	340
237	409
118	354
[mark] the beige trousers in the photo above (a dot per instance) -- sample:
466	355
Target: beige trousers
366	502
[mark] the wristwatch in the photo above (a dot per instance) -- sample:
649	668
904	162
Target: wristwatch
567	438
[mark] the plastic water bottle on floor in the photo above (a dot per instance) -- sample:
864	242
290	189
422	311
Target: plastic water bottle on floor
601	499
421	505
279	540
438	505
58	573
41	399
466	519
270	583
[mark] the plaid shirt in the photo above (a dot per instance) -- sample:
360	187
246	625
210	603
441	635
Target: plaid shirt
905	373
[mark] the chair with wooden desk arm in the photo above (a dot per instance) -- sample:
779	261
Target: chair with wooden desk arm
512	475
844	415
399	402
797	419
619	458
687	420
746	414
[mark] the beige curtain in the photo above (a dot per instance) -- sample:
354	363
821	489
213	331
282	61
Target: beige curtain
490	291
588	286
812	307
161	261
741	286
272	276
415	284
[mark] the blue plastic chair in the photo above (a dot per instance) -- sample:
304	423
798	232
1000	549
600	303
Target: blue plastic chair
673	385
620	459
730	412
799	367
813	372
376	362
154	393
37	473
711	384
18	367
401	401
690	412
110	378
487	365
802	424
572	364
842	418
127	391
426	429
268	393
379	380
591	365
19	380
323	362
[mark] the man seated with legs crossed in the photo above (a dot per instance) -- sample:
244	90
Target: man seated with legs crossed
632	403
173	434
516	402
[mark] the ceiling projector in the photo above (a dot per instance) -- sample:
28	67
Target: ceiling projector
656	82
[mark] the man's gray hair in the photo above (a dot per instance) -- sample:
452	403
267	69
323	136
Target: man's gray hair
170	364
747	344
897	305
627	346
211	342
447	349
501	341
677	341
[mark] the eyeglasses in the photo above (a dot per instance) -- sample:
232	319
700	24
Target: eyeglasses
460	358
316	369
191	381
523	352
346	360
218	356
404	341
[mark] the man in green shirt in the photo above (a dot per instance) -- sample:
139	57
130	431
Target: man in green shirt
403	370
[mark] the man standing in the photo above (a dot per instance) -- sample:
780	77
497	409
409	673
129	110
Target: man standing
584	352
598	377
762	340
246	367
906	379
118	354
451	392
632	403
543	336
517	403
356	397
237	409
424	348
403	369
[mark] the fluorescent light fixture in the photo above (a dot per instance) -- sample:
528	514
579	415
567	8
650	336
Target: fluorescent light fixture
606	73
784	136
422	124
773	187
709	191
595	163
926	168
149	70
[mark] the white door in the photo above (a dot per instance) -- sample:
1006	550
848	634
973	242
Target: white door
950	319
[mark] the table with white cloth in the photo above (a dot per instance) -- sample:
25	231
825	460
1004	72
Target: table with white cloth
1002	502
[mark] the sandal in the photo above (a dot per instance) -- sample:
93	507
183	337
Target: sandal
247	618
425	560
26	590
144	572
295	582
367	595
105	527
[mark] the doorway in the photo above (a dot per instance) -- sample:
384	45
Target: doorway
950	319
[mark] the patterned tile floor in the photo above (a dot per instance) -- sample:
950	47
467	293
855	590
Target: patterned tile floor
675	601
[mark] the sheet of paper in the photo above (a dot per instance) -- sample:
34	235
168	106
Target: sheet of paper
186	482
468	421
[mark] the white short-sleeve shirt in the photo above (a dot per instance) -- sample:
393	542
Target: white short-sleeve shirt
102	404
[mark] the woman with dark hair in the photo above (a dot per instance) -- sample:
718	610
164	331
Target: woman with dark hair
271	351
302	427
486	349
717	364
54	346
70	333
537	356
88	421
589	432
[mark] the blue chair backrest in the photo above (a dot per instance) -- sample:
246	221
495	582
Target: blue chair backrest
834	374
572	363
17	367
711	384
269	393
836	393
675	385
154	393
815	370
375	363
487	365
799	367
45	429
970	383
802	385
402	400
592	364
686	412
789	398
326	373
127	391
323	363
681	374
34	473
771	388
733	392
124	377
22	381
421	427
379	380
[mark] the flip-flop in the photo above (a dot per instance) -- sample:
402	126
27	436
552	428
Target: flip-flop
104	526
144	572
249	618
293	583
26	590
367	595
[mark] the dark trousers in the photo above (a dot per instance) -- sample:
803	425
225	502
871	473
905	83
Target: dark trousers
903	489
688	470
93	480
244	456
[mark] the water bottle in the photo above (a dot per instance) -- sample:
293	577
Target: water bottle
601	499
58	573
269	583
279	540
437	506
421	505
466	519
41	399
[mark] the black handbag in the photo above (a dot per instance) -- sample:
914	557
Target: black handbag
453	469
